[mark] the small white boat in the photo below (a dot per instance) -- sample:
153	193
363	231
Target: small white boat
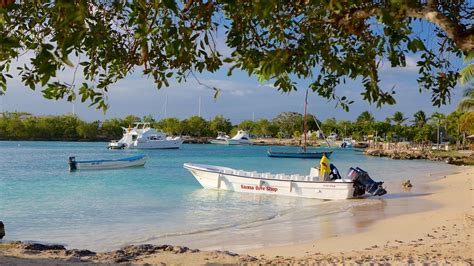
242	137
310	186
106	164
347	143
224	139
142	136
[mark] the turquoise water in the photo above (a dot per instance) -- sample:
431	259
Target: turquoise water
40	200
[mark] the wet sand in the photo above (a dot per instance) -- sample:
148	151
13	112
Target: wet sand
432	223
442	233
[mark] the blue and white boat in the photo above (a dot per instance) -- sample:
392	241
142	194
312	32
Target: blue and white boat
138	160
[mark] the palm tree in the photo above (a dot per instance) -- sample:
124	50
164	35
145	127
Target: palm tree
467	103
365	118
438	118
467	77
453	126
467	73
366	121
398	118
419	119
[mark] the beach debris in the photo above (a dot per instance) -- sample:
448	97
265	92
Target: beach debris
2	230
407	184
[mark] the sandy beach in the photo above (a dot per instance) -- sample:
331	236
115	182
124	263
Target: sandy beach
441	233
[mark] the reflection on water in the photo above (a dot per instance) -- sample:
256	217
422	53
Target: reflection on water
312	221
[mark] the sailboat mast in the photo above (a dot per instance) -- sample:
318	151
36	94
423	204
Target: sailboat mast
305	126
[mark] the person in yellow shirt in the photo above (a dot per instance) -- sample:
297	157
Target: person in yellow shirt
324	168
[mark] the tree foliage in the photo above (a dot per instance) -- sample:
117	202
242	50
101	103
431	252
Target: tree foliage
467	102
20	125
365	118
398	118
325	42
288	123
220	124
419	119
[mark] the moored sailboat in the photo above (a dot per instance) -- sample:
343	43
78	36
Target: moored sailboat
303	153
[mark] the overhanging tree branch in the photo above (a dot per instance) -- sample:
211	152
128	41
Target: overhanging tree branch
463	38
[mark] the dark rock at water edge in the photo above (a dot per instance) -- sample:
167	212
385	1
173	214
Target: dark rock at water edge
2	230
80	253
413	154
129	253
41	247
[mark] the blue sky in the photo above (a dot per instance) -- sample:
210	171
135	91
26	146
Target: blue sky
242	97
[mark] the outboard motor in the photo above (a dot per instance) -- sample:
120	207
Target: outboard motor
72	163
334	172
363	183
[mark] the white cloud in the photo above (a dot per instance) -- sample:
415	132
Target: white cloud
410	67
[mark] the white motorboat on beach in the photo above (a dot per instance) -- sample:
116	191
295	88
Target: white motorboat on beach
309	186
142	136
138	160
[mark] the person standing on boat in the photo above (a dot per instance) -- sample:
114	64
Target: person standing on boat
324	168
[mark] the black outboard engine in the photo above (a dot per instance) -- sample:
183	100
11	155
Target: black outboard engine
334	174
72	163
363	183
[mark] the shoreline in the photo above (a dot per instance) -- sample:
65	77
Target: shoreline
459	158
439	234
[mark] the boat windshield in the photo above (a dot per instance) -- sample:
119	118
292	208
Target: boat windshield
142	125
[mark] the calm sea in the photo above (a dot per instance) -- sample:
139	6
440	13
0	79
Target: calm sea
40	200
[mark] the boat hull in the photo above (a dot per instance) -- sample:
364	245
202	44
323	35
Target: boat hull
157	144
222	178
317	155
108	164
225	142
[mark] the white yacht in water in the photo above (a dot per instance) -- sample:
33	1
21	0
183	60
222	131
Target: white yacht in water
142	136
242	137
224	139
